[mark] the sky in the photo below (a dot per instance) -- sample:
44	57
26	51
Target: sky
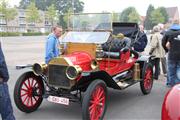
96	6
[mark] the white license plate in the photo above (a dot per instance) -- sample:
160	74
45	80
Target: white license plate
60	100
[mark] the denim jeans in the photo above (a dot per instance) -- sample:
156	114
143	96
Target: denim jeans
6	110
173	72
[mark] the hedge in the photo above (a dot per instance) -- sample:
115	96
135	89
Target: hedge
8	34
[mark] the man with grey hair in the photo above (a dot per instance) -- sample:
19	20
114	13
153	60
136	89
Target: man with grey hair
156	50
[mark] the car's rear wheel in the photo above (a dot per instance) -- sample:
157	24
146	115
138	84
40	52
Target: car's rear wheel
28	92
147	82
95	101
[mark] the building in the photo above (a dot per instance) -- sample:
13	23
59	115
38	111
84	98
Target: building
19	24
173	13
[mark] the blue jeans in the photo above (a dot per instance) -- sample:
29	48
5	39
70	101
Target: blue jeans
173	72
6	110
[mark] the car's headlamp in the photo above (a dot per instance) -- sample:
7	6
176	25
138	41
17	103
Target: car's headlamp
38	69
72	72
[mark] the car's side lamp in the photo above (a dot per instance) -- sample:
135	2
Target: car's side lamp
94	65
99	52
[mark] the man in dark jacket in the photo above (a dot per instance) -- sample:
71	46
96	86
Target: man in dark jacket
6	110
171	44
141	41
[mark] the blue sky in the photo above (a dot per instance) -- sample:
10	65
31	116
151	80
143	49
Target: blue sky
118	5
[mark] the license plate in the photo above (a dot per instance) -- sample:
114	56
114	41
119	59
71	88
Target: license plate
59	100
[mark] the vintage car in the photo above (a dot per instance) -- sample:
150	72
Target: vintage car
87	67
171	104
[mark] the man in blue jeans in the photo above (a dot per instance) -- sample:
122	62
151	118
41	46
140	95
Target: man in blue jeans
171	44
6	110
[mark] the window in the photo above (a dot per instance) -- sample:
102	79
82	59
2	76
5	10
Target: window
22	21
2	21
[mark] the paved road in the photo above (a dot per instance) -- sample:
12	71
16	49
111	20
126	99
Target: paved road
129	104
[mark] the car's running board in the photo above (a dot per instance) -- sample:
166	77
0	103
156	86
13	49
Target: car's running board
127	83
122	84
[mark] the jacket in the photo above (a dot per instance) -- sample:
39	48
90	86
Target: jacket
156	48
52	48
141	42
170	36
3	67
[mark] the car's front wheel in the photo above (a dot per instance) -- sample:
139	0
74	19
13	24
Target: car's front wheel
147	82
28	92
95	101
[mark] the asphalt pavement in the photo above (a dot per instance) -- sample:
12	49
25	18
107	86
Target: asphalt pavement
128	104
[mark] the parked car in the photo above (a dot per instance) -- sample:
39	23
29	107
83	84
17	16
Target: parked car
171	104
88	66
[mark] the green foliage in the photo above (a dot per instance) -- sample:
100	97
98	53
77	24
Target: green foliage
9	34
148	23
164	14
32	13
32	34
62	6
51	14
157	17
116	17
134	17
8	13
130	15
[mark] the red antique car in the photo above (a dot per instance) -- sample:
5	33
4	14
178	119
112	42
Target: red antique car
171	104
88	66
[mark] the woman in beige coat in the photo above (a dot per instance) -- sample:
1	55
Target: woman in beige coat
156	50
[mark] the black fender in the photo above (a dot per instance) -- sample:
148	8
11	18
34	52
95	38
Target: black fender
88	77
31	72
143	61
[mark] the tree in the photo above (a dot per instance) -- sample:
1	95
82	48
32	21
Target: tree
134	17
115	17
157	17
32	13
164	14
51	14
129	15
62	6
7	12
148	23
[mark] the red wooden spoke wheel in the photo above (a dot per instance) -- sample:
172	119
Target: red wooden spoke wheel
94	102
147	82
28	92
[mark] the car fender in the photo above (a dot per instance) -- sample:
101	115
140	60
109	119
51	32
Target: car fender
143	60
88	77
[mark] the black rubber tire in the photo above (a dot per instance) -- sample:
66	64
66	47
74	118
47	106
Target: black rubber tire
17	92
143	89
87	98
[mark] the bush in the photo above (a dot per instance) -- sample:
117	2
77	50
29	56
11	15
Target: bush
32	34
8	34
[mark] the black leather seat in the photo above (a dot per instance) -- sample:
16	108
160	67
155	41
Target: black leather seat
114	45
112	48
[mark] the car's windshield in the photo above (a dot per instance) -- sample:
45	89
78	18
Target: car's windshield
86	37
90	21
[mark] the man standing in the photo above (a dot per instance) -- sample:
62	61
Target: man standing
6	110
156	50
142	40
171	44
52	44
